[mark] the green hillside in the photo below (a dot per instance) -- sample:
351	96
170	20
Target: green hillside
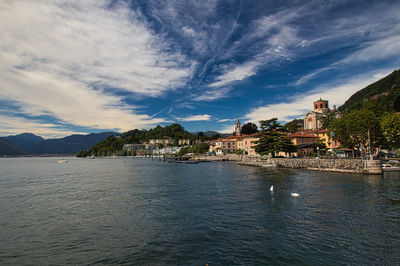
6	148
113	145
377	97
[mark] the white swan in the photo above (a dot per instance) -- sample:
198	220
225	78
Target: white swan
294	194
271	189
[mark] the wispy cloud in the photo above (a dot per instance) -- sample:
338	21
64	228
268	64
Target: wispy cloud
270	37
376	50
298	105
238	72
213	95
60	61
192	118
226	120
311	75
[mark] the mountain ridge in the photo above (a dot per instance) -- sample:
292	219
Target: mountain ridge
379	96
31	144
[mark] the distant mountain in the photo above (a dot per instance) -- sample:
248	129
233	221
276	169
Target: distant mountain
24	139
378	96
211	133
28	143
68	145
6	148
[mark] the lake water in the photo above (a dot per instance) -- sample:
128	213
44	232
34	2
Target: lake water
139	211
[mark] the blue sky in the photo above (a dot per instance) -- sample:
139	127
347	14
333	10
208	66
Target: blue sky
90	66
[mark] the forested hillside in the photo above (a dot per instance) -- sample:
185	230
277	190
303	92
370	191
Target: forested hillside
378	97
114	145
6	148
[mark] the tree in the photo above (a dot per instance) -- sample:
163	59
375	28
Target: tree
294	125
82	153
249	128
183	151
396	104
391	130
352	129
271	141
328	117
200	148
268	125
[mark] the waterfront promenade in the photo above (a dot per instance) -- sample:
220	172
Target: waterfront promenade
357	166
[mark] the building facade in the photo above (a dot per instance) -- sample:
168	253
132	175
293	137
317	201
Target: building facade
312	120
247	143
184	142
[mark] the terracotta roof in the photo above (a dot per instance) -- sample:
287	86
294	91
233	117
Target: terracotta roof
294	135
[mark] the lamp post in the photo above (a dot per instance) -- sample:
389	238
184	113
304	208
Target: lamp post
317	152
333	143
369	147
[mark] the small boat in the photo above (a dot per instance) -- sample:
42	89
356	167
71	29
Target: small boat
387	167
63	161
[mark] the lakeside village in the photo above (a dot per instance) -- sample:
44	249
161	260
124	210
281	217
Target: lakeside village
313	140
271	146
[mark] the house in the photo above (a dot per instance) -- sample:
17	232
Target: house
247	143
133	147
197	141
325	138
184	142
166	141
223	146
304	141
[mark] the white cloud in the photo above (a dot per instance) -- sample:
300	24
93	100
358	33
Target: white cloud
16	125
227	129
238	72
213	94
60	58
278	36
191	118
226	120
311	75
380	49
298	105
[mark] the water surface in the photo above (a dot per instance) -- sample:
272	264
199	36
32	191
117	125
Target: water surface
139	211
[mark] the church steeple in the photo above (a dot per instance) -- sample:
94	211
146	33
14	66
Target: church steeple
238	128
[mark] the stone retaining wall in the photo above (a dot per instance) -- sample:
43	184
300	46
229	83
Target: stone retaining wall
333	165
345	164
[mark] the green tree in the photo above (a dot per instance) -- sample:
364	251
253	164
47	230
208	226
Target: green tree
328	117
82	153
391	130
269	125
396	104
183	151
249	128
352	129
294	125
271	140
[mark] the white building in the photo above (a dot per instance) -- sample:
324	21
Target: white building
312	120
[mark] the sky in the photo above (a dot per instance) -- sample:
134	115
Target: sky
78	67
